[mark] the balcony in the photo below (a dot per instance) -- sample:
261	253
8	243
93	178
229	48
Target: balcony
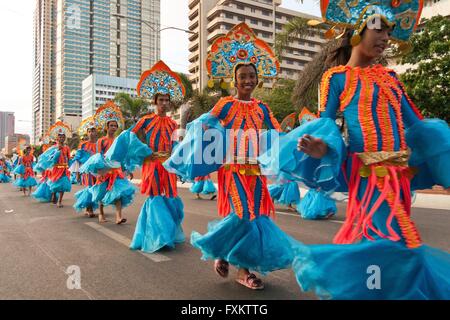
193	3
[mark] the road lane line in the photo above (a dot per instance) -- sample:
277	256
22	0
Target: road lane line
156	257
297	215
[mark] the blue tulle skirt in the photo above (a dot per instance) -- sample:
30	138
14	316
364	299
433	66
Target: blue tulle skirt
83	200
275	191
122	190
316	204
380	269
204	187
290	194
73	178
25	183
20	169
42	193
159	224
258	245
4	178
61	185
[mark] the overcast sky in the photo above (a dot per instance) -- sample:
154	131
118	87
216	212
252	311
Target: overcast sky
16	36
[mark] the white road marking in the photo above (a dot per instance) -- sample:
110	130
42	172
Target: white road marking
156	257
298	216
9	211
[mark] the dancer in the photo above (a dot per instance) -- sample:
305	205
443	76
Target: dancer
24	169
83	198
317	205
112	187
4	170
203	185
59	155
384	126
246	237
159	222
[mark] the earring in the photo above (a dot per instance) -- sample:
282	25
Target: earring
355	40
210	83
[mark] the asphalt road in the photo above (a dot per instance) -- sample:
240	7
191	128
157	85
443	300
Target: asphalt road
39	242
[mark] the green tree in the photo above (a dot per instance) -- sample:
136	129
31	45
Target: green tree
74	141
278	98
132	108
428	81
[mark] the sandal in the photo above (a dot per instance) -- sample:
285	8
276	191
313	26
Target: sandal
221	267
121	221
251	282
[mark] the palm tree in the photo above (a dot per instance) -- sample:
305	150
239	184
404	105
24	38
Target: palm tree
132	108
74	141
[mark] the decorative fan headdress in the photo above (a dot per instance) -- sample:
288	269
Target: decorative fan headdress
240	46
402	15
288	122
59	128
160	79
85	125
106	113
306	116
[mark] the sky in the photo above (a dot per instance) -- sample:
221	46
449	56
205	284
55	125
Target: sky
16	31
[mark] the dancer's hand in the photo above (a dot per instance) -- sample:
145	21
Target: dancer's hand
314	147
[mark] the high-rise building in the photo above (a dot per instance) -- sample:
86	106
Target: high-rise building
6	126
211	19
433	8
76	38
97	89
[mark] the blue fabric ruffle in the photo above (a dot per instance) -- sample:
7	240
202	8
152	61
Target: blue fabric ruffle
298	166
42	193
4	178
188	157
377	270
429	141
48	159
122	190
257	245
159	224
316	204
127	151
205	187
25	183
83	200
61	185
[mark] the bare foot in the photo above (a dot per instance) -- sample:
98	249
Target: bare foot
59	205
101	219
121	221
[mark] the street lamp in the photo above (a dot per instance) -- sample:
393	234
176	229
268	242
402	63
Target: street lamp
149	24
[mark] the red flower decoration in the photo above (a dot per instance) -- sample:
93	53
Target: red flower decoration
233	59
242	54
254	59
396	3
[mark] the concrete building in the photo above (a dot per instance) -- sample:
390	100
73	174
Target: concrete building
6	126
11	141
97	89
76	38
213	18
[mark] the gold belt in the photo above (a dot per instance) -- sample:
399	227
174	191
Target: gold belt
381	160
159	156
62	166
244	169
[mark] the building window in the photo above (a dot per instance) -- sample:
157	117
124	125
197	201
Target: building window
240	7
266	24
254	21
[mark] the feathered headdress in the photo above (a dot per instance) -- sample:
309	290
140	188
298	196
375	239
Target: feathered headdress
59	128
106	113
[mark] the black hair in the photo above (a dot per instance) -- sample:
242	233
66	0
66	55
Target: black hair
245	65
341	55
155	98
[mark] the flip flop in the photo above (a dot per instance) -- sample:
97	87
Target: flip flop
121	221
251	282
221	267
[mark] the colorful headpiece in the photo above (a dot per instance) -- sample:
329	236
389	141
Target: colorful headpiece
160	79
106	113
402	15
288	122
240	46
306	116
85	125
58	129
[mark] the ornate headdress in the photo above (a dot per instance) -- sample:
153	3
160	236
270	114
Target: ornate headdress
59	128
160	79
240	46
106	113
402	15
85	125
306	116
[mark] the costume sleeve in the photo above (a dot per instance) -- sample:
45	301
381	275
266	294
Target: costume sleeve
284	159
202	150
270	121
